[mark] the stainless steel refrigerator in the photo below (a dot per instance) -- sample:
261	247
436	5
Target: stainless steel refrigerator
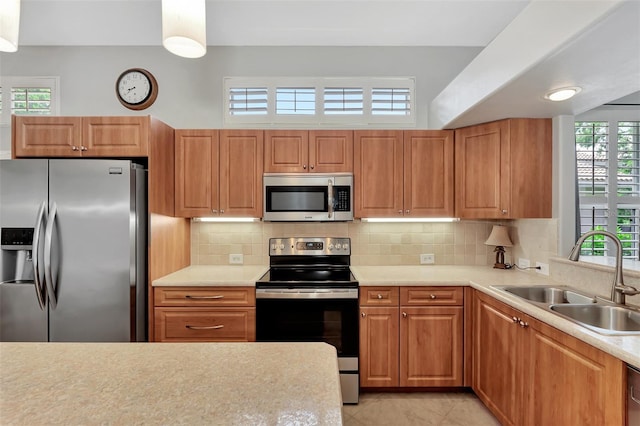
74	250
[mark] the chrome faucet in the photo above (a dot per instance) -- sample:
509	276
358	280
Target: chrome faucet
618	288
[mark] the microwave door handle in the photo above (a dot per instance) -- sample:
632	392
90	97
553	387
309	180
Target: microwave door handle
330	200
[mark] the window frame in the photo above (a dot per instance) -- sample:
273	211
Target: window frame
319	119
612	202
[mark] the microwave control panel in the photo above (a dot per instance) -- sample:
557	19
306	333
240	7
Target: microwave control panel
342	199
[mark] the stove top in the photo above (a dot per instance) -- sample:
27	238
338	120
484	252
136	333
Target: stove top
316	262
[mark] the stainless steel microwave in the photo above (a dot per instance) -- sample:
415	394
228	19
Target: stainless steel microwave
290	197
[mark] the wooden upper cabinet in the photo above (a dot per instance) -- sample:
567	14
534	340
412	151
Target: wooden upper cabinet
503	169
302	151
219	173
378	173
330	151
241	165
428	173
52	136
406	173
196	172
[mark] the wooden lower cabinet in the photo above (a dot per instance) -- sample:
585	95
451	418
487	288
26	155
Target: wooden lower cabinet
529	373
416	343
204	314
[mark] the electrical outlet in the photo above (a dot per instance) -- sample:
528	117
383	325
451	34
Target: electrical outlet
427	259
523	263
544	268
236	259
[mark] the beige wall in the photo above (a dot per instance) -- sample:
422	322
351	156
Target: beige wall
534	239
459	243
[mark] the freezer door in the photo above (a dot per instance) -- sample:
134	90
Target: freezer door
23	188
93	249
21	319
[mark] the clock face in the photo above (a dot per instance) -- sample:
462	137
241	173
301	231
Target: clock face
136	88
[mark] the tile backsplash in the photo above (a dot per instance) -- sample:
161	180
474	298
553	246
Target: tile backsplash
457	243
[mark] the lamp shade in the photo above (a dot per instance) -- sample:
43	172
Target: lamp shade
499	237
9	25
184	27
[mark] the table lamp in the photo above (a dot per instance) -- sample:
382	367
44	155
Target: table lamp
500	238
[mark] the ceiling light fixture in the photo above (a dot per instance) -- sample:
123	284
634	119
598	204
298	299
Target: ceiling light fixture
184	27
9	25
562	94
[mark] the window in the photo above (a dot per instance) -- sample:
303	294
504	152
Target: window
24	96
608	173
318	101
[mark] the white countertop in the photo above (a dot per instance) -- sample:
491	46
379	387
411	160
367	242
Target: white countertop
626	348
169	383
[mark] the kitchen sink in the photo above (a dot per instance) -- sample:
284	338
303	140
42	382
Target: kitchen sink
549	295
608	319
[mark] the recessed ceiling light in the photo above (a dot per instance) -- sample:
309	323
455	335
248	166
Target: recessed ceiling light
562	94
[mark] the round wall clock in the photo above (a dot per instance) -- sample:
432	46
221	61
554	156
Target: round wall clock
136	88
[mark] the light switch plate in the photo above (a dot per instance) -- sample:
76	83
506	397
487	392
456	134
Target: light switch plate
236	259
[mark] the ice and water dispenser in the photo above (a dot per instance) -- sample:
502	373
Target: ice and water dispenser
17	251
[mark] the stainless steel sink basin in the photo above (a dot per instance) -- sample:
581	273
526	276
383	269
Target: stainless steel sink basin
548	295
602	318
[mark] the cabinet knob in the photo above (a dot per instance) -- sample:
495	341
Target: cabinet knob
363	315
404	315
504	212
515	320
214	211
433	296
312	167
379	296
399	211
83	148
74	148
406	211
523	324
221	211
304	166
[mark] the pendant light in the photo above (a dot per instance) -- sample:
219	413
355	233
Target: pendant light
184	27
9	25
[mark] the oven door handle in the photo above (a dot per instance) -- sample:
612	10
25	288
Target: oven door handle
290	293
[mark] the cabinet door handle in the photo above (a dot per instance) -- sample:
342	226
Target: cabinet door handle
204	327
363	315
404	315
217	296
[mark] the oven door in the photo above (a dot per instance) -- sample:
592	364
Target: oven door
306	315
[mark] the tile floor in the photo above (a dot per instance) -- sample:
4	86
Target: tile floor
424	408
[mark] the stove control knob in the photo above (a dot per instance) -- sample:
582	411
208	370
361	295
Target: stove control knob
345	246
281	246
331	246
338	246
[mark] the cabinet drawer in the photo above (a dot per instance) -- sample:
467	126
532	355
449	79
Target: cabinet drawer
204	296
379	296
205	325
431	296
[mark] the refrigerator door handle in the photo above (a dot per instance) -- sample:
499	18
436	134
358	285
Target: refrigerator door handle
39	284
48	241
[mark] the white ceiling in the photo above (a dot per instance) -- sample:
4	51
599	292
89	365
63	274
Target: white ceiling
529	46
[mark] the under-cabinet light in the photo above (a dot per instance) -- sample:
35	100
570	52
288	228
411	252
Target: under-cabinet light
409	220
225	219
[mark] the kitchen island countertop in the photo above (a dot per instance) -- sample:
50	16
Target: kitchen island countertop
169	383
